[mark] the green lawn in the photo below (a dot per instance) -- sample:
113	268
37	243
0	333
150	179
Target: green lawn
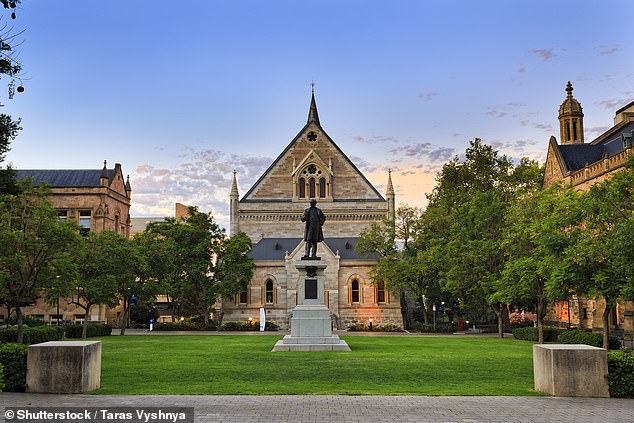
376	365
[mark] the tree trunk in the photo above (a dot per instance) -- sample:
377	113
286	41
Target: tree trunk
220	315
126	311
506	318
84	330
404	312
20	319
206	318
541	313
606	324
497	308
421	301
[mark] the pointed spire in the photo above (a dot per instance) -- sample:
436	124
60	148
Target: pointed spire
390	187
234	185
313	116
127	184
104	171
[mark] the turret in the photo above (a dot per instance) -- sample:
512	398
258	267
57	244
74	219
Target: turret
234	224
390	196
570	119
104	178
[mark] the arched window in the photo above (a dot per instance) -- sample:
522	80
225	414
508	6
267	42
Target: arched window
302	188
355	291
269	292
574	129
244	296
322	188
311	187
380	292
567	130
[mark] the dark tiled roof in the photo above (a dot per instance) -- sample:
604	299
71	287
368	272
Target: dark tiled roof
64	177
275	248
577	155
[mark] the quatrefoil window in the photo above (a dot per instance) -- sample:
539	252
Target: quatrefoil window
312	169
312	136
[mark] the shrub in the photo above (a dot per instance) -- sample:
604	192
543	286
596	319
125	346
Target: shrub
26	320
581	336
13	360
532	334
621	373
422	327
34	335
94	329
252	325
388	328
185	325
358	328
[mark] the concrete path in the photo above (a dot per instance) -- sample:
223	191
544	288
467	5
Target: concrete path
353	409
281	333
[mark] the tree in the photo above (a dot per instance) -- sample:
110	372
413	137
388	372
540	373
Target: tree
37	248
11	67
204	264
132	277
539	228
464	220
600	262
100	273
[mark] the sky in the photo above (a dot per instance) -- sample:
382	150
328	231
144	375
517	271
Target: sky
181	93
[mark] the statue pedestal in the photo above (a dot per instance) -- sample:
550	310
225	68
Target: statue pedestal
311	324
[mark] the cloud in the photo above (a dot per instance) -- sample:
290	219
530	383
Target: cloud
408	172
596	130
435	155
203	179
521	69
441	154
413	150
362	164
429	96
496	113
375	139
609	51
544	126
544	53
614	103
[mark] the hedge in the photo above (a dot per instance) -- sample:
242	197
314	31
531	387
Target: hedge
94	329
185	325
13	360
422	327
621	373
34	335
532	334
376	328
252	325
580	336
1	378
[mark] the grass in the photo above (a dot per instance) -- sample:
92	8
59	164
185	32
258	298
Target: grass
376	365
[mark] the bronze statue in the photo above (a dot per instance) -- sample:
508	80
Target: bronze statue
314	218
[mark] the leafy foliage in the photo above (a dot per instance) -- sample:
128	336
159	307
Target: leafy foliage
621	373
13	360
532	334
580	336
34	335
76	330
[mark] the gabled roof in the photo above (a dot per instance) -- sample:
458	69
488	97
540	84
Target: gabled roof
276	248
313	118
577	155
62	178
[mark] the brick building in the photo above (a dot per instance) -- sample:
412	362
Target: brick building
98	200
311	166
581	165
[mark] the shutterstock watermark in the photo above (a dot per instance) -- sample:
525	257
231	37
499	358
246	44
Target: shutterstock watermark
100	414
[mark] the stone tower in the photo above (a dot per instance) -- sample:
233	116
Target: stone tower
234	218
570	119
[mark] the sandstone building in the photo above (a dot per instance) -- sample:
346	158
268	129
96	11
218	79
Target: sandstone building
98	200
311	166
581	165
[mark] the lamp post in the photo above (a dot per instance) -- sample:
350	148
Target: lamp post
434	309
370	324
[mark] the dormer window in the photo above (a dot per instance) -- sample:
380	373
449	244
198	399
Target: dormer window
626	137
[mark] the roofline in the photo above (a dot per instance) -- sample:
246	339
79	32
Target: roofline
610	131
627	106
558	156
288	147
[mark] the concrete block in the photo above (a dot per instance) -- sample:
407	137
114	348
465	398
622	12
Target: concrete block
571	370
320	347
64	367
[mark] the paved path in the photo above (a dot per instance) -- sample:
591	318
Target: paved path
353	409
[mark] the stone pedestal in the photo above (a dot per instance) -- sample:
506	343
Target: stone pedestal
571	370
64	367
311	324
